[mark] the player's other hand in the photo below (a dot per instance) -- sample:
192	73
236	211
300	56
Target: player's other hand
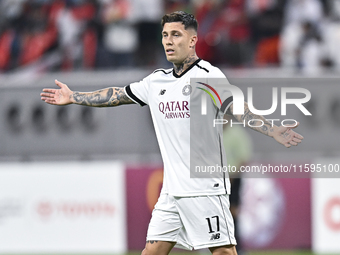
286	136
57	96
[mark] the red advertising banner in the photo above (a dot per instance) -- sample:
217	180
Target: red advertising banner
326	208
143	186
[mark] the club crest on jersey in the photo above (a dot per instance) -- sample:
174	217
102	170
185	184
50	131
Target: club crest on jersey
186	91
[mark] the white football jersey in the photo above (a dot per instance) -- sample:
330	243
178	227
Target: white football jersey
168	96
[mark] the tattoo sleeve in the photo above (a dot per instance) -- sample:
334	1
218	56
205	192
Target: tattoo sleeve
102	98
253	121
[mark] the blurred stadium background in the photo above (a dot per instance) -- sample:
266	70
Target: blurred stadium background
77	180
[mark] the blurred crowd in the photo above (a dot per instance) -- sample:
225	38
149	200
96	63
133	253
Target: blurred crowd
102	34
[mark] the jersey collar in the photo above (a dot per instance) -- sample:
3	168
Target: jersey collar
188	69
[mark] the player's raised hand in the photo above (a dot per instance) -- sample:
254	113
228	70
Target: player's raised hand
286	136
57	96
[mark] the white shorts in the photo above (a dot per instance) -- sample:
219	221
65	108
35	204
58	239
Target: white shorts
192	222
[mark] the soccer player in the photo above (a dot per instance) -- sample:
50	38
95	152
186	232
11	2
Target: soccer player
191	213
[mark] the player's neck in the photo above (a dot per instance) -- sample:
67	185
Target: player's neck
181	67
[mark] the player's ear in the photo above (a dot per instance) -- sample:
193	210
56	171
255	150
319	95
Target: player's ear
193	40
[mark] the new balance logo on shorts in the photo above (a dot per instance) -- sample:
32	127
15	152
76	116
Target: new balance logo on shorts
162	92
215	236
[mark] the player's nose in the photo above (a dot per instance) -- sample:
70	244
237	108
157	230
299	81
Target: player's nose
167	40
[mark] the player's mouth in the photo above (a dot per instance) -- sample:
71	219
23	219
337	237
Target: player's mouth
170	51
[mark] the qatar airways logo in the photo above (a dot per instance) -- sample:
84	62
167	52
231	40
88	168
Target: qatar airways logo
175	109
238	100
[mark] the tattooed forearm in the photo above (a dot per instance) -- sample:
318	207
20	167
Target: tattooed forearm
255	122
93	98
102	98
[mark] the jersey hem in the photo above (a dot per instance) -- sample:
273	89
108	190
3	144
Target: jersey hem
199	194
203	246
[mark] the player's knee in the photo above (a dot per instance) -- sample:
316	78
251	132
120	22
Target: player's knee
162	248
147	251
224	250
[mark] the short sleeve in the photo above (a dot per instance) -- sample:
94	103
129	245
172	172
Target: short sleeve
216	73
138	91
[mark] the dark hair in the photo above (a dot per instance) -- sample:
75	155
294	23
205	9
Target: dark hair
187	19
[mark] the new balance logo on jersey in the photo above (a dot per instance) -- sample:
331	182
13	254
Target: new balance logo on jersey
216	185
162	92
215	236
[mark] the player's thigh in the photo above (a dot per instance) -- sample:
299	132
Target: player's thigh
207	221
165	223
224	250
158	247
